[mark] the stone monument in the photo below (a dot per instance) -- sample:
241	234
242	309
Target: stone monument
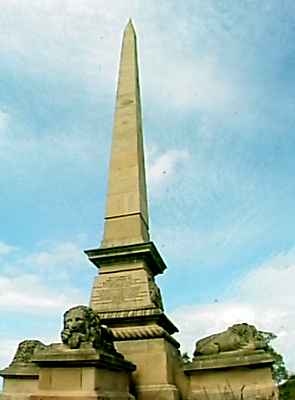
121	347
125	294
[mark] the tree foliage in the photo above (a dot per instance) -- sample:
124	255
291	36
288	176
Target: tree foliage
287	389
279	371
185	359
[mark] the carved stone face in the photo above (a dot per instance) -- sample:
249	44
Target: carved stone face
75	320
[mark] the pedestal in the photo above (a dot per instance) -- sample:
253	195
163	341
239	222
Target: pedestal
20	380
128	301
126	278
232	375
157	368
82	374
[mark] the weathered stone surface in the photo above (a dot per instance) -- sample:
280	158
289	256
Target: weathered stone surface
125	290
232	365
21	377
236	337
125	294
25	351
58	354
231	359
241	383
158	372
239	374
83	326
126	219
82	373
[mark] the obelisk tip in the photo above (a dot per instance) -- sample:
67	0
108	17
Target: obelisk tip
130	26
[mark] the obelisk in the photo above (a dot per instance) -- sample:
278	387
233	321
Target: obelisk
127	259
125	294
126	219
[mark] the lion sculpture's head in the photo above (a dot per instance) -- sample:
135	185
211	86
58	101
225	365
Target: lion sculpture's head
83	325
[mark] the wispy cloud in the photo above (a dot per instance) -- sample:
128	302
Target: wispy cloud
66	254
6	248
27	293
57	149
43	281
78	40
7	350
191	84
164	168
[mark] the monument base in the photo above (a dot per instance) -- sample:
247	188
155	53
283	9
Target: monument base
128	300
232	375
19	381
157	361
82	374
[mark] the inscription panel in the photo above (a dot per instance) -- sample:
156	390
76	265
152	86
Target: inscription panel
121	291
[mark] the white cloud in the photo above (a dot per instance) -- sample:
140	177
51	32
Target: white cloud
6	249
66	254
163	169
27	293
83	41
68	149
198	321
211	244
191	84
265	298
7	350
272	282
44	280
38	285
69	38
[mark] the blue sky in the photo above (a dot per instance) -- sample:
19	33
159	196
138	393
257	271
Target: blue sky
217	81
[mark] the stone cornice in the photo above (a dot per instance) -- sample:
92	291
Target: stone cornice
107	256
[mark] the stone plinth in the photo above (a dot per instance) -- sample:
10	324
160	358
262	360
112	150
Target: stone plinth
126	278
84	373
127	299
157	367
232	375
125	294
20	380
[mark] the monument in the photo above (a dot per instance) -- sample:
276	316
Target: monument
121	347
125	294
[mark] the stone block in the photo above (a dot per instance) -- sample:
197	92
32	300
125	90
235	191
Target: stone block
156	367
19	381
81	374
237	375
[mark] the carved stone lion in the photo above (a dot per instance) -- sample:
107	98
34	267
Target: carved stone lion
83	325
236	337
25	351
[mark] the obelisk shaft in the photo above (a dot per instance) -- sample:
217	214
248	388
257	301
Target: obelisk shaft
126	219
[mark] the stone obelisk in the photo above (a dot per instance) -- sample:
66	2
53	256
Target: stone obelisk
126	219
125	294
